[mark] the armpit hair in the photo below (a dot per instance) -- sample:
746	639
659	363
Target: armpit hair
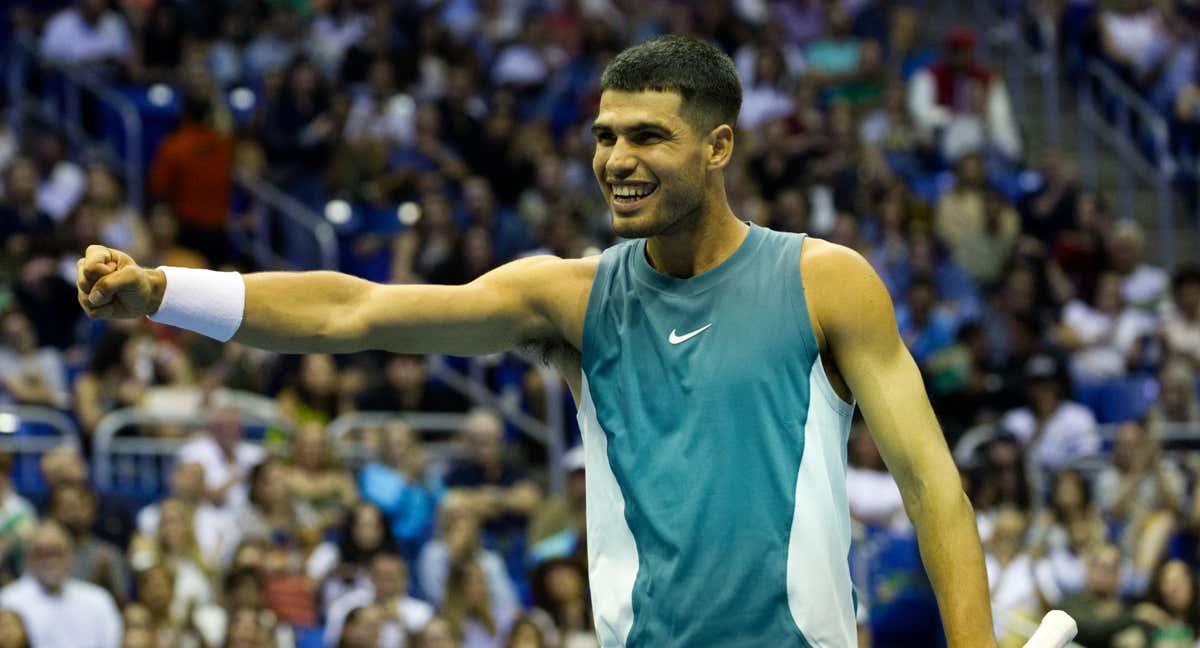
543	351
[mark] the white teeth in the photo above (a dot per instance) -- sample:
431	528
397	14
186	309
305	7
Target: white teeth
634	192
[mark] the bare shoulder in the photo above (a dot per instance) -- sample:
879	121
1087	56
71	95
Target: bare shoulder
842	290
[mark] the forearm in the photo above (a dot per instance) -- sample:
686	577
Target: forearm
300	312
953	558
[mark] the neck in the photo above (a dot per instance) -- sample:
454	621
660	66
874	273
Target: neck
712	239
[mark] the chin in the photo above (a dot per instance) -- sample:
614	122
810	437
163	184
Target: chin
637	226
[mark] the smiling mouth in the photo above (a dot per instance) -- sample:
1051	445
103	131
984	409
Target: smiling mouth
630	194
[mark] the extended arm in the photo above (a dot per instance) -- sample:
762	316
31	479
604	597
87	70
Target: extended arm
853	312
330	312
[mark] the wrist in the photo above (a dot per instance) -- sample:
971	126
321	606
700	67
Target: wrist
158	288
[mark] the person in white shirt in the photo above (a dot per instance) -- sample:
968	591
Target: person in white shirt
226	458
88	33
59	611
1055	430
1010	571
217	533
403	615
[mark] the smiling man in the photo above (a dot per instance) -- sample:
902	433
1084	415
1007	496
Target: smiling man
715	364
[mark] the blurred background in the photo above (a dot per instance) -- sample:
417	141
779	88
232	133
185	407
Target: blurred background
1021	173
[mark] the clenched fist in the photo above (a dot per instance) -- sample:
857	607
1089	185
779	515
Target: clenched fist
112	285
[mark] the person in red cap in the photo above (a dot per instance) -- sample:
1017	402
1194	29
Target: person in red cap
960	105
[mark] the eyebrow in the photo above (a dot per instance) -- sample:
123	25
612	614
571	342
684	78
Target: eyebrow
598	127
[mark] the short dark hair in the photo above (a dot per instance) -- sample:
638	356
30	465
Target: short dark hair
702	74
1184	275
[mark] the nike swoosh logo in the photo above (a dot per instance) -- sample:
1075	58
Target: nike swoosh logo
676	339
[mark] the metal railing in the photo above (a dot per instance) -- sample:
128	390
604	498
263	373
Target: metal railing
271	200
1102	86
140	458
27	449
551	433
74	83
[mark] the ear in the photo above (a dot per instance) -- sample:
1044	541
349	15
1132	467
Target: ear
720	147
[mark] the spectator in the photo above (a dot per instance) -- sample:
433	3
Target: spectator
64	464
407	387
458	540
976	225
12	630
17	519
315	394
1102	617
125	363
438	633
403	487
962	106
362	630
120	225
344	566
302	122
380	115
925	325
1178	402
192	173
560	593
527	633
217	533
1132	36
1062	534
271	514
997	481
1171	609
226	458
88	33
46	596
316	478
1055	431
499	491
1141	495
559	529
25	230
30	373
470	608
872	493
1181	317
1104	337
403	615
1010	572
242	589
843	66
1142	284
175	547
155	589
73	505
166	248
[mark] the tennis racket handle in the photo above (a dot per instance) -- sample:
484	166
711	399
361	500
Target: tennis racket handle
1056	631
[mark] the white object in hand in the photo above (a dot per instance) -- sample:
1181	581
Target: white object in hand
1056	630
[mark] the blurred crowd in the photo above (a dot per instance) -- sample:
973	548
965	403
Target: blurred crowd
444	137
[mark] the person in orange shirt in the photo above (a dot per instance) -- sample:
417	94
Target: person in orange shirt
192	171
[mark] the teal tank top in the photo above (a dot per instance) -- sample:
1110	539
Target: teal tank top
715	456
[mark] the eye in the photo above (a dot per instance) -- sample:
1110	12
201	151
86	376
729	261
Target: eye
647	138
606	138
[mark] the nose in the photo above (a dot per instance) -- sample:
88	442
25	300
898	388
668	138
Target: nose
621	160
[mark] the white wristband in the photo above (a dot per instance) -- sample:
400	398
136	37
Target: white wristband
205	301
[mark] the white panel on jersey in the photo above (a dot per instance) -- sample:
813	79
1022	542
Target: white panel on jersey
818	571
612	554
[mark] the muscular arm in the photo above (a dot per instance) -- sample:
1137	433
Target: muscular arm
330	312
854	314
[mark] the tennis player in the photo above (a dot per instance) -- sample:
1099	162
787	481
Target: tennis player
715	364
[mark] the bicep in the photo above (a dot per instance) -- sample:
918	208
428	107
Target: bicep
496	312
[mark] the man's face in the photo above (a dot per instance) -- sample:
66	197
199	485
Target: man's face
74	509
650	163
389	576
50	557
